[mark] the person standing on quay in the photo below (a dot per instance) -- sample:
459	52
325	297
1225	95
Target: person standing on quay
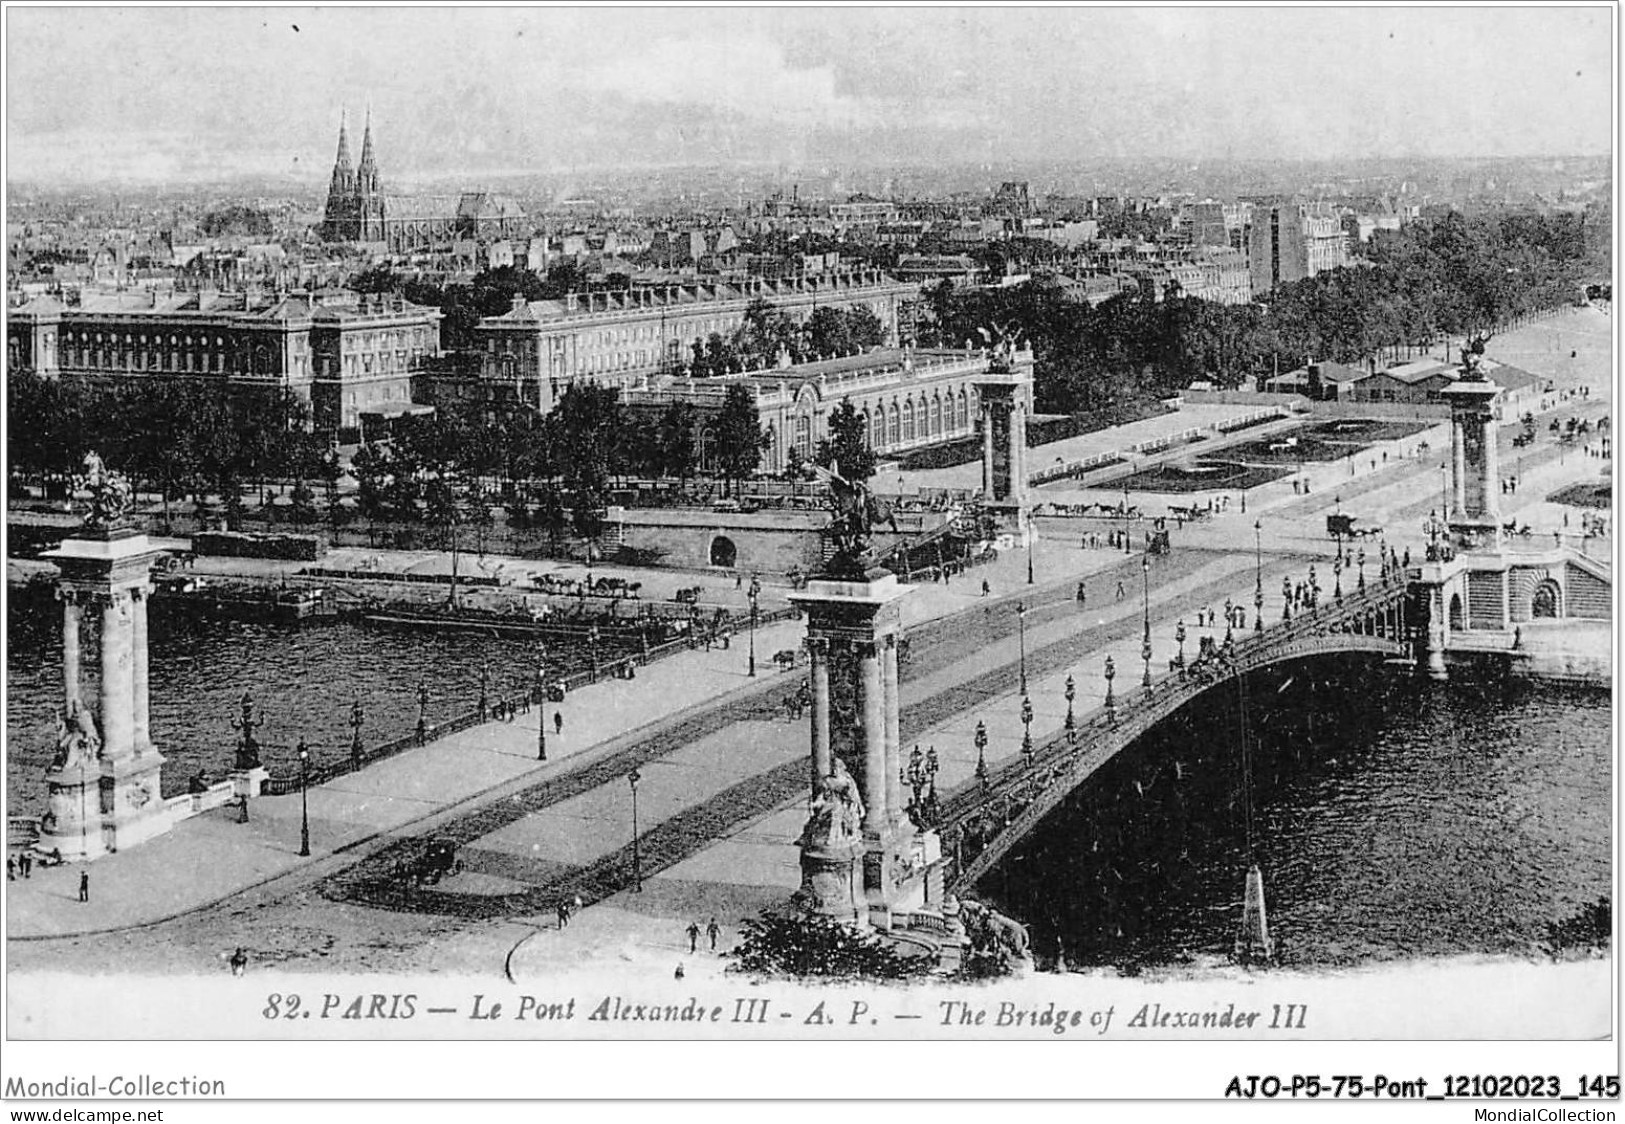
84	885
713	930
558	722
693	936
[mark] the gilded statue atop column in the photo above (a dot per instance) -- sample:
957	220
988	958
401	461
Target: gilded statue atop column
110	496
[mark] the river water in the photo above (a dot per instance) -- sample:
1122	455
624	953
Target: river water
1392	817
304	682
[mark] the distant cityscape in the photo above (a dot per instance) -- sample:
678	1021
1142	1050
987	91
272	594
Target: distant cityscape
257	289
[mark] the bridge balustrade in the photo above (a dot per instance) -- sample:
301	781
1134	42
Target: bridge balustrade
984	818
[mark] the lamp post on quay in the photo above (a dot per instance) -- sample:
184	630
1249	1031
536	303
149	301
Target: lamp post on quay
1071	694
1286	599
1360	562
1145	642
755	595
1021	629
304	802
1027	730
981	753
358	719
1337	578
541	702
1179	638
1111	703
1258	580
637	864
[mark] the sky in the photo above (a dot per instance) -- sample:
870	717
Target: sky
164	94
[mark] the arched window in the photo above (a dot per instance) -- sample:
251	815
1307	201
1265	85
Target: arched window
908	420
803	435
877	427
964	409
1548	600
936	416
893	425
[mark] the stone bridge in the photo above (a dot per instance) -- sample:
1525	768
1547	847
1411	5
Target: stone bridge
982	820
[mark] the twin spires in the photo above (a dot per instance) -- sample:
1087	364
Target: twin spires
355	206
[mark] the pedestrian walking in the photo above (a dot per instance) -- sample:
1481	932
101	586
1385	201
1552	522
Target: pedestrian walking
679	973
986	589
27	864
11	869
713	930
239	962
693	936
1083	595
1119	589
558	722
562	910
84	885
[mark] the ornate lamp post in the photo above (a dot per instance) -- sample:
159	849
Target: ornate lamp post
423	712
1145	598
1337	578
1432	527
1314	588
1179	638
1032	545
1071	694
358	719
1111	703
1127	549
932	765
1258	579
1027	730
914	777
1360	562
485	684
1286	599
1021	629
592	642
304	803
981	753
1338	535
541	702
637	863
755	594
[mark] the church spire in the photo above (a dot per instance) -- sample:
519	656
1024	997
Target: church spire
342	161
368	171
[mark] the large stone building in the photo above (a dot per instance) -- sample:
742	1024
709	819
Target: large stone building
358	210
344	353
908	398
1287	242
627	338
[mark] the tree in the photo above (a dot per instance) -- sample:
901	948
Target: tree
675	441
848	443
739	439
797	945
587	426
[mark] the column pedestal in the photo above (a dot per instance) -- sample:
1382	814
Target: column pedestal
105	789
852	868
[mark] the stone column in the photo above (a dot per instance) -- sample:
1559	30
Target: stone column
822	766
1018	451
141	736
1458	466
1490	478
874	742
117	678
70	649
987	452
893	729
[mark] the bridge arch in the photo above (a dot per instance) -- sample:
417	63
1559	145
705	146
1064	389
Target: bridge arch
983	819
723	552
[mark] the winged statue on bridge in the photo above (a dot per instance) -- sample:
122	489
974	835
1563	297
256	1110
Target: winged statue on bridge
855	512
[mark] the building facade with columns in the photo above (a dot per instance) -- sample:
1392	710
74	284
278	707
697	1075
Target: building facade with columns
625	339
907	398
345	353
